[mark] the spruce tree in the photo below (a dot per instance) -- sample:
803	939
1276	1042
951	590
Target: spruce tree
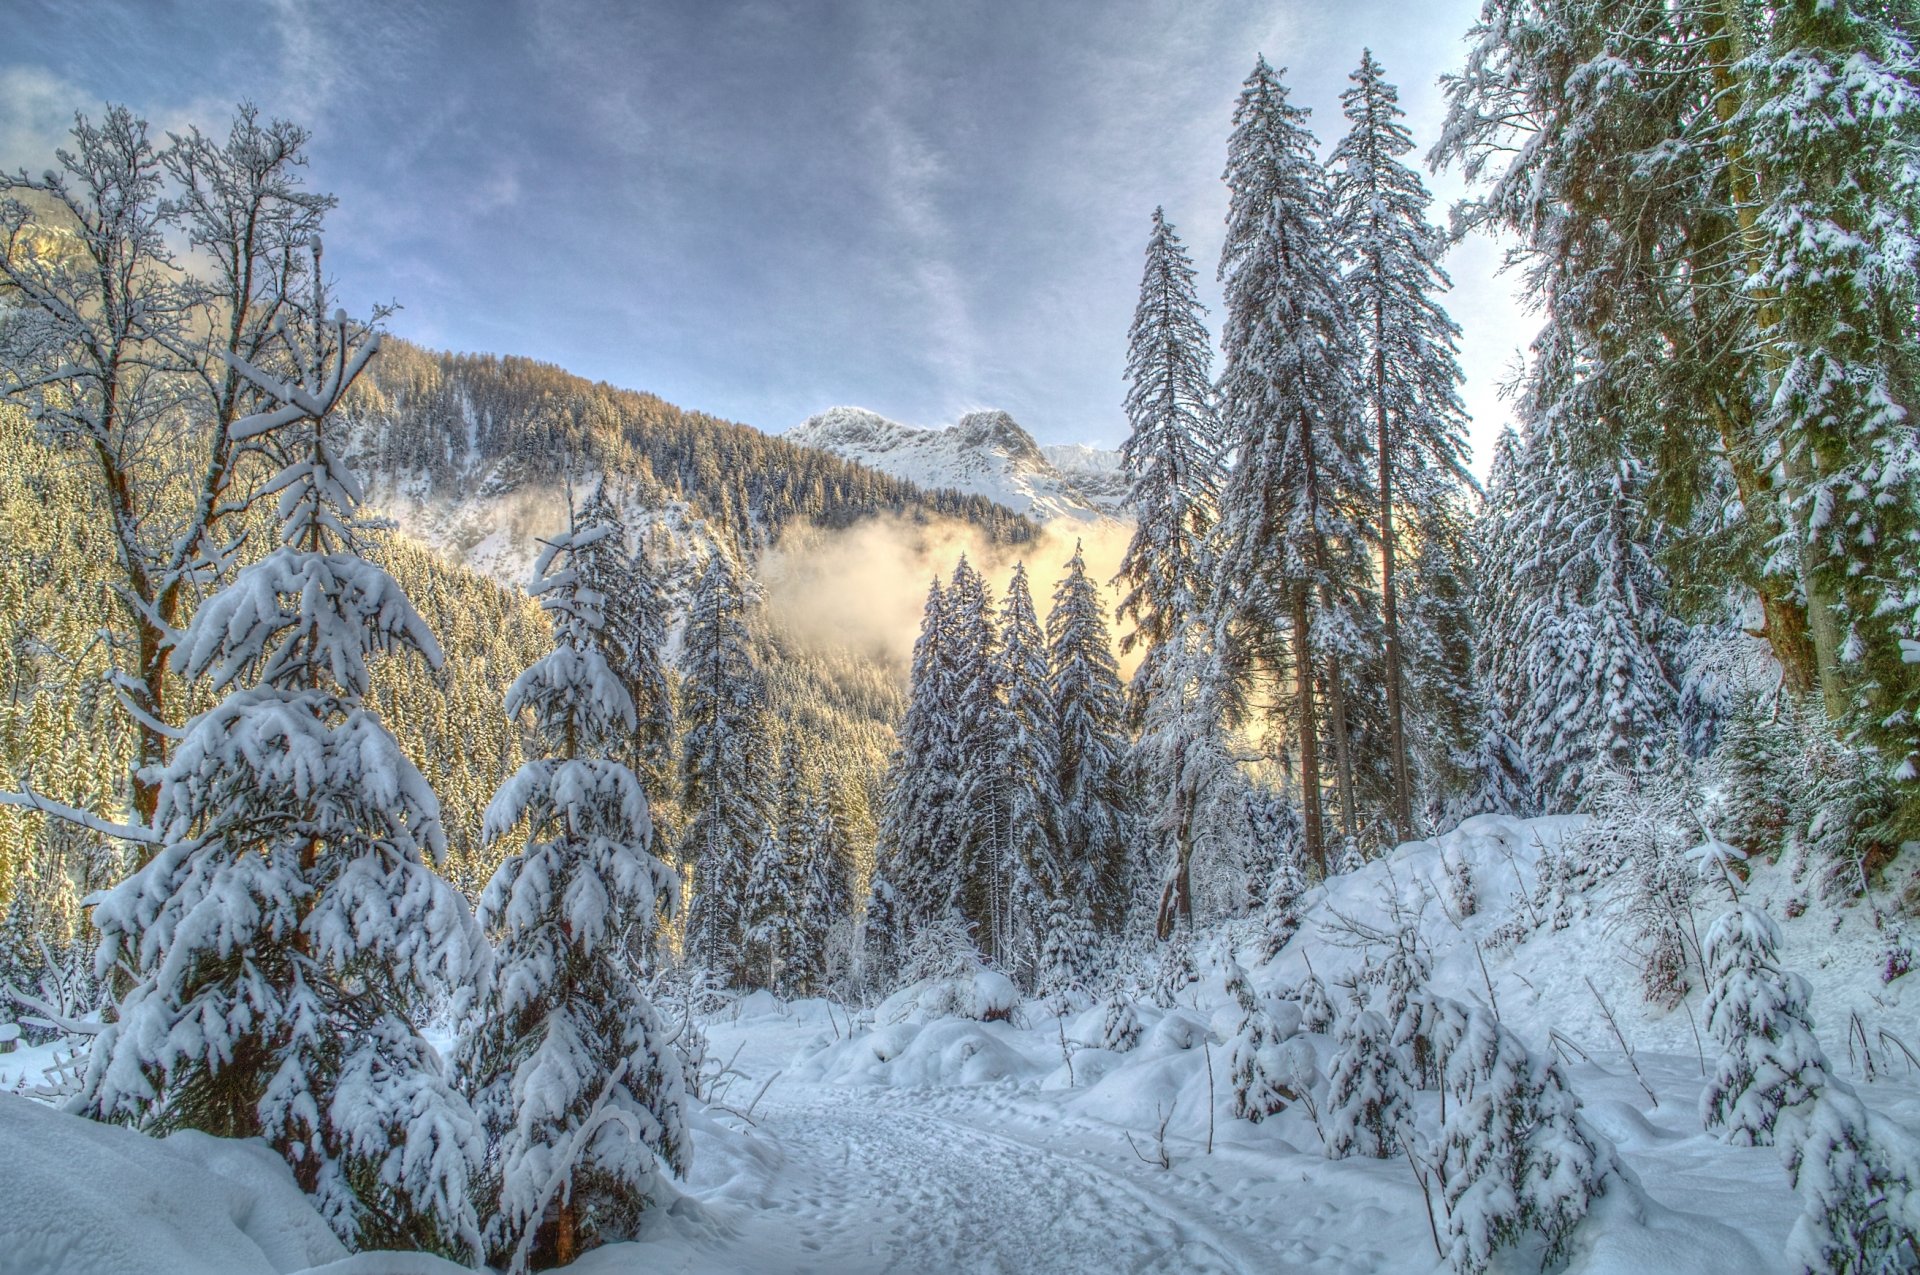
1369	1101
1255	1068
636	612
1769	1059
1029	764
1292	565
568	1062
915	858
981	884
288	936
1172	454
1407	344
723	765
1832	103
1088	706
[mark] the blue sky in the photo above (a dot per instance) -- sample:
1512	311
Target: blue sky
760	210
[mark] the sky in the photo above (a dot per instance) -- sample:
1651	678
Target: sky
762	210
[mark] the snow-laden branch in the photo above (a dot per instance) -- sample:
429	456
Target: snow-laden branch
26	799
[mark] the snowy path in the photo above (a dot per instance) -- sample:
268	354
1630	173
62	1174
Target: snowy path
881	1181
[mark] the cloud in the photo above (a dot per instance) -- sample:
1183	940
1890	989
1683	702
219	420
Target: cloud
864	589
36	110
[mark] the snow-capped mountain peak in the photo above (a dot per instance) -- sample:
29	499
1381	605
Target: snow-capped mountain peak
985	453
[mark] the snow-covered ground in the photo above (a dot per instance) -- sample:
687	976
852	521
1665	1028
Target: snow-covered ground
902	1140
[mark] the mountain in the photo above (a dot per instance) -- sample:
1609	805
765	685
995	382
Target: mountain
471	453
984	454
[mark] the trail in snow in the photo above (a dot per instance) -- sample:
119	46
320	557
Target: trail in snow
874	1181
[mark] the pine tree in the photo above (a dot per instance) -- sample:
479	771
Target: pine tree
1172	454
722	765
1769	1058
1859	1179
636	611
1035	866
1292	567
287	937
1831	99
568	1062
1088	710
1255	1067
1578	668
916	862
982	886
1185	752
1175	972
1408	346
1516	1156
1369	1102
1119	1025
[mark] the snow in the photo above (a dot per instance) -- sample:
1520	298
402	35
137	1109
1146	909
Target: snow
923	1134
984	454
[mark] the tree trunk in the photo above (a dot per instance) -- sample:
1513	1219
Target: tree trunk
1342	748
1389	603
1309	730
1789	638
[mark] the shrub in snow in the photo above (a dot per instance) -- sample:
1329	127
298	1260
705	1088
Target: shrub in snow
1175	972
1280	917
1859	1181
1255	1067
1517	1160
288	934
1120	1029
1409	1008
566	1058
1369	1103
1769	1058
1316	1010
1066	953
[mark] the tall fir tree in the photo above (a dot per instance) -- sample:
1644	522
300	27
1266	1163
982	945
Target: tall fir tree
1030	763
1293	558
1096	833
723	764
1172	455
914	865
980	888
1411	379
571	1070
288	937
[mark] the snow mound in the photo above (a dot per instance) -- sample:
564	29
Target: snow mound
84	1198
946	1051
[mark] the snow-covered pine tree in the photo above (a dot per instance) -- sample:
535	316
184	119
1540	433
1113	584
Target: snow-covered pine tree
1119	1024
1832	100
1185	753
776	886
637	615
1172	455
1088	711
287	936
1516	1156
1175	971
1067	952
915	861
1369	1101
1316	1008
723	766
984	876
1858	1174
1407	344
1769	1059
1039	874
825	895
1293	565
568	1063
1280	911
1255	1068
1579	668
